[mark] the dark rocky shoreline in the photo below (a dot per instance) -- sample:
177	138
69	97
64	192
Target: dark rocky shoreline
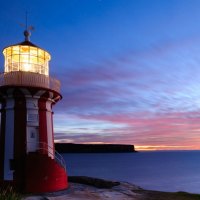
87	188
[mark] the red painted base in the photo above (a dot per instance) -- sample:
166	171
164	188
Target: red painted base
44	174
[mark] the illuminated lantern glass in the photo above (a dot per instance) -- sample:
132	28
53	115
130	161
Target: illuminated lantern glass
26	57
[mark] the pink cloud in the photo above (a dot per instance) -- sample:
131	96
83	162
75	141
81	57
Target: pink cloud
172	131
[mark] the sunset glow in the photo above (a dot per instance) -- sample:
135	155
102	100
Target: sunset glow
129	70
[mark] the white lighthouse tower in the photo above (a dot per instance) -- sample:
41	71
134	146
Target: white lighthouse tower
28	159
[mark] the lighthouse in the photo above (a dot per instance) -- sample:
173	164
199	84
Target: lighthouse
28	159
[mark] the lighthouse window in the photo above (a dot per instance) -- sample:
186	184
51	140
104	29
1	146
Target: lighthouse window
24	50
41	54
8	52
32	135
33	51
15	58
40	61
15	66
15	50
33	59
32	117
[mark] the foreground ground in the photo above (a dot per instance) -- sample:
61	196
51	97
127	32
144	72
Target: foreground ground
85	188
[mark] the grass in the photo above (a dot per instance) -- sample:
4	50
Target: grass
8	193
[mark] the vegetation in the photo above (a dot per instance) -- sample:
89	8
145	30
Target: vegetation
8	193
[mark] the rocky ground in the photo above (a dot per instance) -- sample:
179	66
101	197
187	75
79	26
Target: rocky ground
86	188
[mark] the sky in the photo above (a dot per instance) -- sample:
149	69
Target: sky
129	69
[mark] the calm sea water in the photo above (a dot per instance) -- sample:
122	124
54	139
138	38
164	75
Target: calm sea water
166	171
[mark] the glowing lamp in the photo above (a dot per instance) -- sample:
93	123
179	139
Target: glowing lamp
26	57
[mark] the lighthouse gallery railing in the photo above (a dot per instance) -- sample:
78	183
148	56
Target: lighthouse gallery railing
21	78
44	148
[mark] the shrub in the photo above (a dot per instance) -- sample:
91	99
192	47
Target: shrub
8	193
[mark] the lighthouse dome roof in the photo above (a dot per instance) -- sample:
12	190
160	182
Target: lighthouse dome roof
27	43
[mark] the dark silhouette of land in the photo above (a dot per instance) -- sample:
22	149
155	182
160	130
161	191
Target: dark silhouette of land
94	148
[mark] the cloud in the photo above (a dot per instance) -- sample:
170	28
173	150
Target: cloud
154	79
169	131
152	98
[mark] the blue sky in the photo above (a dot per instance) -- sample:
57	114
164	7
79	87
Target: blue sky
129	69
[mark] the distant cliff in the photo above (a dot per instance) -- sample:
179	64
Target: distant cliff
93	148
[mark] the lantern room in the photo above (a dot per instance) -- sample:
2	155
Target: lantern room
26	57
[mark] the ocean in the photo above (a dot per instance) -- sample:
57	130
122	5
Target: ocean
165	171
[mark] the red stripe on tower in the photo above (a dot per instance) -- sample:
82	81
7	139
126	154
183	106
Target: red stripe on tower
42	122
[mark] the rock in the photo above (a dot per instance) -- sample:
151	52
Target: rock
99	183
86	188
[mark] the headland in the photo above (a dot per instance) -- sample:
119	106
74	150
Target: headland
94	148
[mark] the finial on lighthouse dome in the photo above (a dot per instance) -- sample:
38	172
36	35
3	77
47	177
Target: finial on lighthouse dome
27	35
27	32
